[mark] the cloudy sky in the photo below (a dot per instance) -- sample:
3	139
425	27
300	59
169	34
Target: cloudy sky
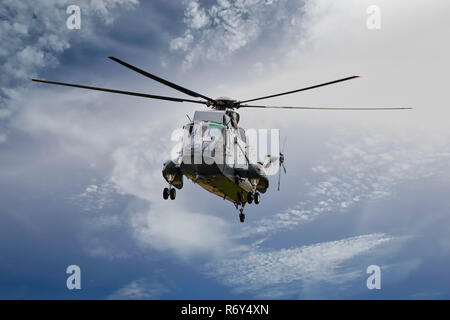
80	171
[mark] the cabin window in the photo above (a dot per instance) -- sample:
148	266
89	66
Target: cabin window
242	134
213	133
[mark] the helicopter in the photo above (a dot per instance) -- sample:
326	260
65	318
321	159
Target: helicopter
214	149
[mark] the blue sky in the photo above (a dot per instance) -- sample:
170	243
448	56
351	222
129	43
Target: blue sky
80	172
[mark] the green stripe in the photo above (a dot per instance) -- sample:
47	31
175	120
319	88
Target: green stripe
216	124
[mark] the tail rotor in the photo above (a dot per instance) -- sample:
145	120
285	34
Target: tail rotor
281	163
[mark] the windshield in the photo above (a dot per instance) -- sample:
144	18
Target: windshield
214	133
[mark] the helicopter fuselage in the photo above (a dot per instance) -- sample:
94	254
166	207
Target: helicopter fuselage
213	154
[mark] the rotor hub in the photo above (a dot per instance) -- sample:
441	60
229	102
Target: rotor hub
223	103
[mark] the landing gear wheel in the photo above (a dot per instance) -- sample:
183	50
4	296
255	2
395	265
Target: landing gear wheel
249	198
257	198
166	193
173	194
242	217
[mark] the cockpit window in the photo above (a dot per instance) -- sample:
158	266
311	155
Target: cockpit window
242	134
214	133
194	129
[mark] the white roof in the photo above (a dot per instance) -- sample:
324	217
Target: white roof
216	116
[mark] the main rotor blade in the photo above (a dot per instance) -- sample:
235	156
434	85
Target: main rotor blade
161	80
303	89
318	108
137	94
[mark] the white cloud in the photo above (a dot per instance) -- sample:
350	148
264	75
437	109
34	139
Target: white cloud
196	17
226	26
162	226
96	197
33	35
182	43
139	289
166	227
104	8
359	166
91	188
269	269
